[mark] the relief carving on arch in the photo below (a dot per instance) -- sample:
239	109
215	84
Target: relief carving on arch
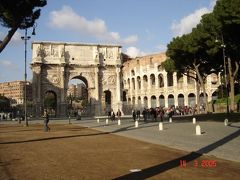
109	80
55	79
54	51
47	50
41	52
109	53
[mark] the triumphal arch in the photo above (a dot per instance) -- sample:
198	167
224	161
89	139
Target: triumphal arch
54	64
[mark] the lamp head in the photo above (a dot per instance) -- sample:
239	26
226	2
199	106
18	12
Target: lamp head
34	33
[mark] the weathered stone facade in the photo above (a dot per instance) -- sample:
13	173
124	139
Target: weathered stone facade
136	83
147	84
98	66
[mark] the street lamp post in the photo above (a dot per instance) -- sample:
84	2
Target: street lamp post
26	38
225	68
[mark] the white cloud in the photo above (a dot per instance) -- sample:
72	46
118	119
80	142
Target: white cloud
130	39
188	22
134	52
16	39
162	47
67	18
8	64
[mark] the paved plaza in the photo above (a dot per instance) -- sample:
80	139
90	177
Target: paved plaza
216	139
87	149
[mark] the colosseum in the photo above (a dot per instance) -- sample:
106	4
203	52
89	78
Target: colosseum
147	85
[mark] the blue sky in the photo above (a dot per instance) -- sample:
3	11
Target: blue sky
140	26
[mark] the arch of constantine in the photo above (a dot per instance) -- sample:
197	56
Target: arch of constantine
147	84
54	64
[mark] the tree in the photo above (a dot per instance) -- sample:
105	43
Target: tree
20	14
50	100
169	65
227	13
198	50
4	104
180	53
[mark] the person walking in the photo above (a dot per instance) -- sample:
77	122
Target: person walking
138	114
119	114
112	115
161	114
134	115
144	113
46	121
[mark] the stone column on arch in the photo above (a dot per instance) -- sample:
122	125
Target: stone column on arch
62	107
36	88
97	93
118	87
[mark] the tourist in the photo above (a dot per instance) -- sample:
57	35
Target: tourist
112	115
46	121
144	113
119	114
134	115
138	115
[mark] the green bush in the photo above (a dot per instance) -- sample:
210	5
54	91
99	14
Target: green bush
224	100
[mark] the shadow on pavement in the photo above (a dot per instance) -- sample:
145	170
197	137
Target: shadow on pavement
52	138
154	170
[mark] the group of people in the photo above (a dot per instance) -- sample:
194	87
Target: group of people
152	114
112	115
159	112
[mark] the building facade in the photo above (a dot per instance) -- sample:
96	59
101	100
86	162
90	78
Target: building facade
78	90
15	91
147	85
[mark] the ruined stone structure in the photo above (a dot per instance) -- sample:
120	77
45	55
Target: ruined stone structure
98	66
147	84
111	83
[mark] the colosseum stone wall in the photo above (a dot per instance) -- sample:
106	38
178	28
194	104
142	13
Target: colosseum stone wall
146	84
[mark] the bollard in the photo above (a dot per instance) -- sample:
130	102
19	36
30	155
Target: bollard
136	124
226	122
194	120
198	130
160	126
170	119
106	121
98	120
119	122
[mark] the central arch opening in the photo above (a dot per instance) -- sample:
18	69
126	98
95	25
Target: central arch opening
77	96
50	103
